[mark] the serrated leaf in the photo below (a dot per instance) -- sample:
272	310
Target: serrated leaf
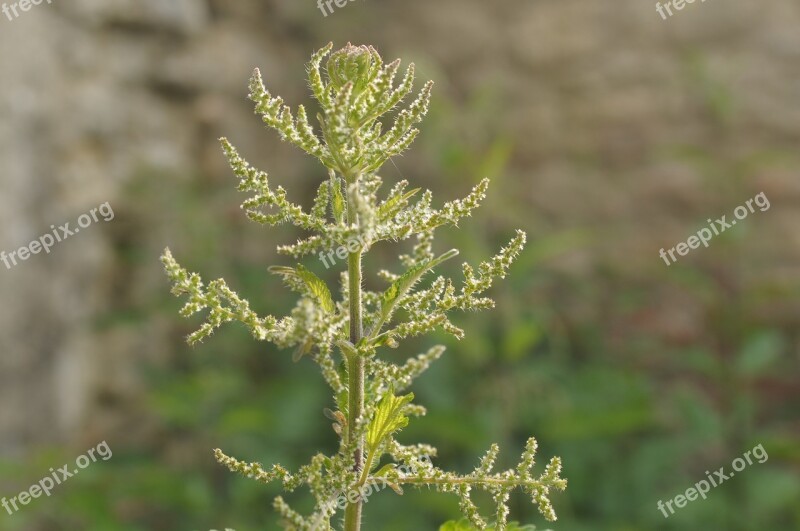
337	199
290	277
406	281
318	287
393	204
313	284
410	277
389	418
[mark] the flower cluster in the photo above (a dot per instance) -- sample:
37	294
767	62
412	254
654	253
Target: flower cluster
356	94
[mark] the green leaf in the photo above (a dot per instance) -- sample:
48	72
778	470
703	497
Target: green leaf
385	469
337	199
402	285
313	284
392	205
318	287
453	525
342	398
389	418
349	351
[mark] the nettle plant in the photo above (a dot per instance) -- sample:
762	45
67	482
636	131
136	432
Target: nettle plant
345	336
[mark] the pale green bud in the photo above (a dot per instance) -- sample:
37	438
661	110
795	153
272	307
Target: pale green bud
351	64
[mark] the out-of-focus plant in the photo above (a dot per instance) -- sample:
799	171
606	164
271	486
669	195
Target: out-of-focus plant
356	92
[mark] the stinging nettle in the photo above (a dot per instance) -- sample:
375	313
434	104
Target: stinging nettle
344	335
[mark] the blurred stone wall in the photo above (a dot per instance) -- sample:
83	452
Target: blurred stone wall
596	97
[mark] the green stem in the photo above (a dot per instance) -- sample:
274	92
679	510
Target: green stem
469	480
352	515
365	473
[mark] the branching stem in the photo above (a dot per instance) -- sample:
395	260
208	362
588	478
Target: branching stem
470	480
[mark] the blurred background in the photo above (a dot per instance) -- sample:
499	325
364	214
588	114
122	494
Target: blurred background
608	134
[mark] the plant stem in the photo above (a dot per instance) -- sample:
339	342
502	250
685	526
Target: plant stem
470	480
352	515
365	473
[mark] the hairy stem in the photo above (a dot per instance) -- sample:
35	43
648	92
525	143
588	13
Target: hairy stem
469	480
365	473
352	515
